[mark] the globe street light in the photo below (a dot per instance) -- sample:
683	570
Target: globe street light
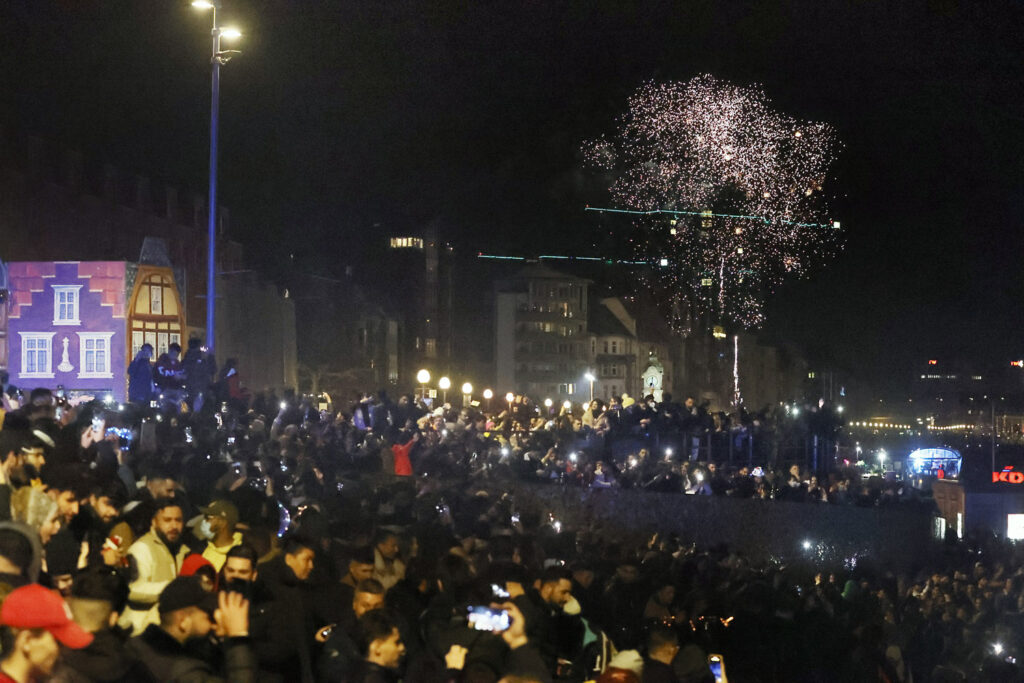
488	395
467	394
423	376
510	397
217	58
444	384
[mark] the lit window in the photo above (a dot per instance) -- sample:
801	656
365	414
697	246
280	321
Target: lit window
65	304
406	243
94	355
156	300
36	354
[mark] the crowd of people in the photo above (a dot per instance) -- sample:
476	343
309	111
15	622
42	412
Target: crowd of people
209	535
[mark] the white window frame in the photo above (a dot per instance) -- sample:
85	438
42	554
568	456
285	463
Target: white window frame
83	337
37	336
65	289
158	290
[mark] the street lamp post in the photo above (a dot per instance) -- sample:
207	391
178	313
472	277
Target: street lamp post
217	58
423	376
467	394
488	395
444	384
590	378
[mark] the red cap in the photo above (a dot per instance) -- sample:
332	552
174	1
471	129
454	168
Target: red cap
193	563
33	606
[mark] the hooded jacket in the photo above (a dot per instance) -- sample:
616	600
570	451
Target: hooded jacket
32	571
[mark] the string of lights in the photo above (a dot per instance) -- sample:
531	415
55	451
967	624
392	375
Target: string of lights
835	225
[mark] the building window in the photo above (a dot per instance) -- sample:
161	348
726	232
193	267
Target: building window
36	354
156	300
65	304
94	355
615	347
606	347
431	347
406	243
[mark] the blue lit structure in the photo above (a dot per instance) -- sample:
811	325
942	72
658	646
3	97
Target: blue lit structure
941	463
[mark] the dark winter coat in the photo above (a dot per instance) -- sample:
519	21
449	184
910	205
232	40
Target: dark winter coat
107	658
168	660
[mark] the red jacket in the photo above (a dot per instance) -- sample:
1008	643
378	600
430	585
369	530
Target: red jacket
403	466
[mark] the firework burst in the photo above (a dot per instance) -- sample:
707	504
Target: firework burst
736	188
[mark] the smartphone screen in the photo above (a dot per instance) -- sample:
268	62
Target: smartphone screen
717	667
482	618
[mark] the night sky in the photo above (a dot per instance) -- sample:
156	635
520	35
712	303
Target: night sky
346	120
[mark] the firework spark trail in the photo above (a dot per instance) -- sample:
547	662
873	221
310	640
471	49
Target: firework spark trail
710	146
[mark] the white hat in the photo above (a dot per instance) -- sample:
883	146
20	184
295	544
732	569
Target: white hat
629	660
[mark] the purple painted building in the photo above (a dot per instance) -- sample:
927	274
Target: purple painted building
67	326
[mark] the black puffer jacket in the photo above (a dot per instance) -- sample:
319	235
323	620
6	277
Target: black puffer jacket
167	660
107	658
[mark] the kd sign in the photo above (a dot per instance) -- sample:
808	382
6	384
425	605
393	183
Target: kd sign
1008	476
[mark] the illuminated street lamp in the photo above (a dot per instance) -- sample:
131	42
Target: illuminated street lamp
590	378
217	58
567	405
423	376
488	395
467	393
510	397
444	384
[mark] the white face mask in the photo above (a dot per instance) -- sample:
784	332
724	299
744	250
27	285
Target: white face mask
204	531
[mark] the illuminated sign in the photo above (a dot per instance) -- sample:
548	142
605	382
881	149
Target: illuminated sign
933	362
1015	527
1008	476
1017	363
